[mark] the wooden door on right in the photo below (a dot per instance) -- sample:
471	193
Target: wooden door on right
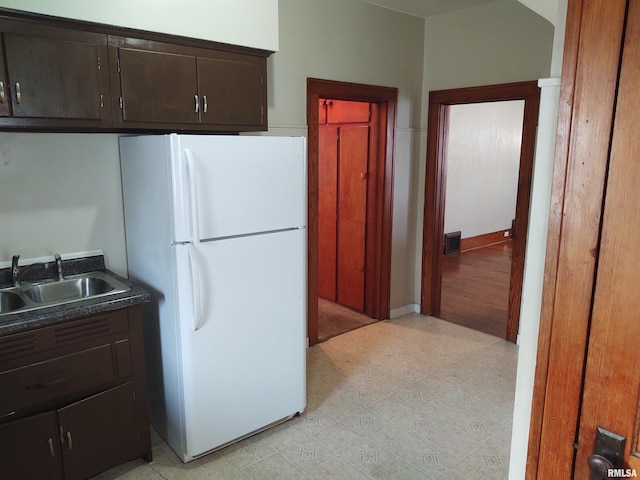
343	175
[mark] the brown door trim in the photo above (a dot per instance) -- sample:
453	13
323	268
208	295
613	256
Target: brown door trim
378	237
435	182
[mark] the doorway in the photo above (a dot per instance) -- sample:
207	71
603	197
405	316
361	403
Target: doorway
372	268
435	190
482	145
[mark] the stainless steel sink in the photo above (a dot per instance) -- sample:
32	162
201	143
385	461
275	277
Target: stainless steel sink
68	290
49	293
10	302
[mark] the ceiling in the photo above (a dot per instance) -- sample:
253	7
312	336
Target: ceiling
428	8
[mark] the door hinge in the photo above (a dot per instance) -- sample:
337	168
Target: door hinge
101	100
99	66
118	65
121	103
134	396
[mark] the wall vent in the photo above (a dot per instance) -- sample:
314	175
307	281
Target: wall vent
452	243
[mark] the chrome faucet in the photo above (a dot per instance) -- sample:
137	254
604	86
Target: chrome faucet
16	274
59	266
15	271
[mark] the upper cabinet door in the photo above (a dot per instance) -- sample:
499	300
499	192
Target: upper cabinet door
233	90
56	73
4	86
157	87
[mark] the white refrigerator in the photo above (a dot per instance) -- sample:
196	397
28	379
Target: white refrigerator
215	229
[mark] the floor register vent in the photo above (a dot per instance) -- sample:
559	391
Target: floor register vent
452	243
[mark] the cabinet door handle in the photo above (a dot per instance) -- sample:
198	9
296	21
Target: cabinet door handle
49	382
197	103
204	106
51	450
2	95
18	93
69	441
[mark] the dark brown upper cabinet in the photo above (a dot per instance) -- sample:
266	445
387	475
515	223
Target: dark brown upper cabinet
69	75
4	97
234	91
169	86
54	77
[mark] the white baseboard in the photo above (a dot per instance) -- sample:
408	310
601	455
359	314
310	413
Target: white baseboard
405	310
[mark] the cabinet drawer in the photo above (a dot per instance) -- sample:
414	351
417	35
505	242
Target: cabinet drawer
45	381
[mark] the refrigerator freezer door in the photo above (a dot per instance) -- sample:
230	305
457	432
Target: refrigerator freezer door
243	364
243	184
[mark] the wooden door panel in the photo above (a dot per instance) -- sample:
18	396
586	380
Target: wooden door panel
351	263
55	77
612	379
233	92
327	211
322	111
157	87
353	172
343	111
98	432
29	448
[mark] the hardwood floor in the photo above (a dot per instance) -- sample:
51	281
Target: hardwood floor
335	319
475	288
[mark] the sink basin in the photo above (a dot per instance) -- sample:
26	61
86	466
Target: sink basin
51	293
10	301
68	290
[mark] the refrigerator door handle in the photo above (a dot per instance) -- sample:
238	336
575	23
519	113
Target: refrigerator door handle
195	286
193	196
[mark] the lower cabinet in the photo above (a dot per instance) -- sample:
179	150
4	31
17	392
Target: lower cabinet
98	432
77	407
81	440
30	448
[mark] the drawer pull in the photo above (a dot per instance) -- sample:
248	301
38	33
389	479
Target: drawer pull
18	93
51	450
49	382
2	95
69	441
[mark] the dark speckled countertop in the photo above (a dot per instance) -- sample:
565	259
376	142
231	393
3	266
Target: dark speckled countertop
19	321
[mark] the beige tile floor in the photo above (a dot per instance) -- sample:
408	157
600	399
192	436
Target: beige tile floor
414	398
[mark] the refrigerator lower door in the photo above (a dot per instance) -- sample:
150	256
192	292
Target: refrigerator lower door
243	336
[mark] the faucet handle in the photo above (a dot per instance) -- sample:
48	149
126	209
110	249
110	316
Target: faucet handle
59	266
15	271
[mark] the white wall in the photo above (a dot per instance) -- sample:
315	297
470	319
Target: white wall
545	8
252	23
60	193
500	42
483	160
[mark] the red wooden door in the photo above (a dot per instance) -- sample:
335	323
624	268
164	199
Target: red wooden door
345	111
352	209
327	211
342	201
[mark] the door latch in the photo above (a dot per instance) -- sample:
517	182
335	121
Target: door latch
608	454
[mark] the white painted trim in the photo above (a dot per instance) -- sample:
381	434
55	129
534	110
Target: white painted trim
405	310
